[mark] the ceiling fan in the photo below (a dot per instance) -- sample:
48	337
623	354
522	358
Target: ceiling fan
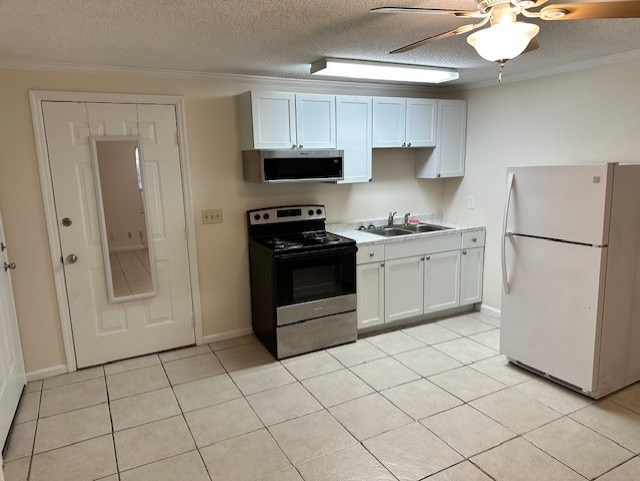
506	38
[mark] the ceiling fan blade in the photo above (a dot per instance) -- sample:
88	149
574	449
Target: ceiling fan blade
440	36
436	11
581	11
533	45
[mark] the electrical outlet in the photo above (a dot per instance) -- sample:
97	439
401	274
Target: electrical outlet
211	216
471	201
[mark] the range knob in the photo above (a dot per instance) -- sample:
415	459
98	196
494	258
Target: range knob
310	211
266	216
256	216
319	211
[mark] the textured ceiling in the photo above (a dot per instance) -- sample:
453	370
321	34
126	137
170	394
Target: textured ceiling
277	38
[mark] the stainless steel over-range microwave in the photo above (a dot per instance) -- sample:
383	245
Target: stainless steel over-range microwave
272	166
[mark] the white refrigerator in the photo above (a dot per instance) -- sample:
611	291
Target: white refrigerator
571	274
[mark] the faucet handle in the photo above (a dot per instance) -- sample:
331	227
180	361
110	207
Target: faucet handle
406	217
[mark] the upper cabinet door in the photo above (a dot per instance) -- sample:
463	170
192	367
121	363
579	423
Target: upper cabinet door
316	121
274	117
353	122
389	120
452	137
421	122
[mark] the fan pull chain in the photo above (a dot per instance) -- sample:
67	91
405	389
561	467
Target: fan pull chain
502	64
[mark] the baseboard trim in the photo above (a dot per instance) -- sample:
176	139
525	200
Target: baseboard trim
47	372
490	311
223	336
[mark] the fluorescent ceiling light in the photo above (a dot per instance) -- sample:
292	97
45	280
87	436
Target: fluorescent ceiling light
337	67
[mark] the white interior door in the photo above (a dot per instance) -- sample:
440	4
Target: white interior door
12	377
102	331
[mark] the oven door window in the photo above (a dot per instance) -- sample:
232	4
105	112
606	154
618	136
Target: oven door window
304	278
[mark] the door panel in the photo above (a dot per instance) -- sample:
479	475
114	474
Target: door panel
12	377
404	281
441	281
562	202
551	317
102	331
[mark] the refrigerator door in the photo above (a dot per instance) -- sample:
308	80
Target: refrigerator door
551	319
569	203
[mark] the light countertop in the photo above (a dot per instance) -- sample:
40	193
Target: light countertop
362	237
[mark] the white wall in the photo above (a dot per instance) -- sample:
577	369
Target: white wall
582	117
213	141
586	116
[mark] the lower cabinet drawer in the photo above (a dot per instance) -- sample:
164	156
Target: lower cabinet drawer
370	253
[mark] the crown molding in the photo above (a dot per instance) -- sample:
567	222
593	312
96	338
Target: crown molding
572	67
211	76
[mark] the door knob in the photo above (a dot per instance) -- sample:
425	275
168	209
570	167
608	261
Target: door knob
11	266
72	259
3	246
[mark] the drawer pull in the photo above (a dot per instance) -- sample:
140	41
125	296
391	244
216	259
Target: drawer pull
475	239
464	253
371	254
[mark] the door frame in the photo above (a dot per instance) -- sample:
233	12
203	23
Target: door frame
36	97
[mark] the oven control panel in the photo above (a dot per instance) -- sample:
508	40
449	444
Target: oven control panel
289	213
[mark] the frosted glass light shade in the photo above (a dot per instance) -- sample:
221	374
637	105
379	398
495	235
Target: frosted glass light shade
503	41
337	67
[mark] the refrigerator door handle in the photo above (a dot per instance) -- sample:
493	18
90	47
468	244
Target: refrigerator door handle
505	234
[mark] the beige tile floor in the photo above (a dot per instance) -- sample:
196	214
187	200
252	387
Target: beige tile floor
432	402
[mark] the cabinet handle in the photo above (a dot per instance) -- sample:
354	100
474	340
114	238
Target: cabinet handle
409	144
464	253
300	146
11	266
438	175
404	144
371	254
475	239
293	146
382	264
422	258
428	258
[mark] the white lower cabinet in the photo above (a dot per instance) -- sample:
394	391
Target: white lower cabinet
471	269
400	282
370	294
441	281
403	285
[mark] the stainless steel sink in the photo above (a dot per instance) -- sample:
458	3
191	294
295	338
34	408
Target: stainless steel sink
405	229
423	227
389	231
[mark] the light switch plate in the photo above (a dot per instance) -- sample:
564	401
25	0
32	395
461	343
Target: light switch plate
212	216
471	201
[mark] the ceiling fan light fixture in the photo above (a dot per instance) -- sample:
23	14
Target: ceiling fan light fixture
503	41
364	69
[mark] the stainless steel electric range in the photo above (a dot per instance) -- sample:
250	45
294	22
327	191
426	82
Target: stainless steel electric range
303	280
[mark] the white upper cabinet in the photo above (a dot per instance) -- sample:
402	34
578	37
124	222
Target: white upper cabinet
389	121
447	158
268	120
283	120
353	123
421	122
400	122
316	121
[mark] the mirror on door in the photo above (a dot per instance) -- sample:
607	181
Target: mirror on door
124	226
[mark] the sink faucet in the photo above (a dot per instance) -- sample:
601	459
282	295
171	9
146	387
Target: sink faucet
406	218
390	218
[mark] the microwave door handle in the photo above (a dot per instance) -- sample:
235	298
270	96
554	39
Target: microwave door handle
505	234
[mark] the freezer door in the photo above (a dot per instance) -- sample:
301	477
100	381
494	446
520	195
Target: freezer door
560	202
551	319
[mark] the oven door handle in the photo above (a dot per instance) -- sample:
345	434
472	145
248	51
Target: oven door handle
315	254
